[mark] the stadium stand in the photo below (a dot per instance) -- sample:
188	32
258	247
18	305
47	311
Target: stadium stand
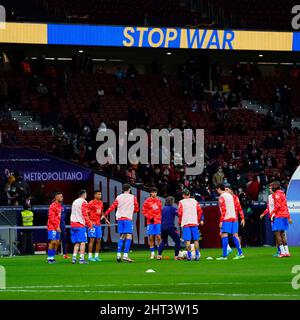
74	104
222	13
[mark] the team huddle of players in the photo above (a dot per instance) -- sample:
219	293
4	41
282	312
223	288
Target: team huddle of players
86	220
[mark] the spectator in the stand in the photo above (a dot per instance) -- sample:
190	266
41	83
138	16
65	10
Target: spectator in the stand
230	173
263	193
218	177
236	154
291	158
270	161
226	182
206	192
253	188
8	195
22	188
239	181
195	106
131	175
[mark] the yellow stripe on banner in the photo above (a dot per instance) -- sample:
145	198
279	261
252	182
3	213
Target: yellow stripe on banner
24	33
261	40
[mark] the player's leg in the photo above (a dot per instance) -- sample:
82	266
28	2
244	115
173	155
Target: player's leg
75	252
237	243
76	244
158	239
151	239
279	226
52	237
276	241
195	237
285	245
152	245
98	248
187	237
226	228
188	249
163	242
278	248
224	239
91	247
197	250
51	251
176	238
82	252
229	250
120	247
121	230
127	248
98	235
280	242
128	230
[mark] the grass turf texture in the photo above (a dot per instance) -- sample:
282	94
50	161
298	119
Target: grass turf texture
258	276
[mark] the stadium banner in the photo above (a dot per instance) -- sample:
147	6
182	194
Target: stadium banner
35	166
31	33
293	200
111	188
148	37
296	41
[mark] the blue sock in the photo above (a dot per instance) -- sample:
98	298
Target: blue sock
189	254
278	250
197	253
237	244
127	245
120	245
160	248
51	254
224	246
152	249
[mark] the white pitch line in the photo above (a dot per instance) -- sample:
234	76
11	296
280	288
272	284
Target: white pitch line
138	284
159	293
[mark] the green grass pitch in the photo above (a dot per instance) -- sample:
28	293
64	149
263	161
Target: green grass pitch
258	276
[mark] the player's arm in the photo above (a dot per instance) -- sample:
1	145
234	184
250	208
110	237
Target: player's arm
89	209
240	212
145	210
84	210
264	213
103	216
222	207
180	213
289	216
200	215
111	208
277	206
